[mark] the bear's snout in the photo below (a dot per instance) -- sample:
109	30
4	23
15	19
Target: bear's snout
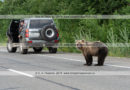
79	45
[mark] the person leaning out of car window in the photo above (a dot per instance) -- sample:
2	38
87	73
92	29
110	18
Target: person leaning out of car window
21	28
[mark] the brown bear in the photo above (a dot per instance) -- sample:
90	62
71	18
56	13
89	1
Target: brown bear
90	49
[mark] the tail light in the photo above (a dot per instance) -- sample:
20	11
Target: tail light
56	41
29	41
27	33
57	33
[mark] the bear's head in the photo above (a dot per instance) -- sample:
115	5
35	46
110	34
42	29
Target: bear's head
80	44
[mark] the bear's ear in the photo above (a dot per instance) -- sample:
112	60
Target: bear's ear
83	40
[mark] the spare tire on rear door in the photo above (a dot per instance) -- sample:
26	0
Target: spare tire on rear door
49	33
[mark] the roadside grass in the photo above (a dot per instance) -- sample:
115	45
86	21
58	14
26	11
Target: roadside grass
123	37
112	38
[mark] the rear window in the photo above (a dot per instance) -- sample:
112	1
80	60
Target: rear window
39	23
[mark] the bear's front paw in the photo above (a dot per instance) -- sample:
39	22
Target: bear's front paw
85	64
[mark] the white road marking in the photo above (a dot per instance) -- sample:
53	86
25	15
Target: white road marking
127	67
61	58
22	73
3	50
118	66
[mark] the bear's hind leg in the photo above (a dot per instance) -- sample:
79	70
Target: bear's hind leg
101	59
89	60
102	55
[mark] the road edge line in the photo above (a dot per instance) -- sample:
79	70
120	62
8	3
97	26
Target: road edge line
21	73
83	61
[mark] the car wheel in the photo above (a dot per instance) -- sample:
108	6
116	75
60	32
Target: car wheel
37	49
52	50
10	48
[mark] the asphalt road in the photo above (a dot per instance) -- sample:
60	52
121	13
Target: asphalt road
25	72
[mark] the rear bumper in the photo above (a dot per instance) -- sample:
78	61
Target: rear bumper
40	43
26	43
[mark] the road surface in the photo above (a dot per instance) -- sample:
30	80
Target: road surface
24	72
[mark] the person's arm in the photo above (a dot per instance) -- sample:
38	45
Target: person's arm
20	29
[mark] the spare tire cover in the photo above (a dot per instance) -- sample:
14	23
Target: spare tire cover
49	33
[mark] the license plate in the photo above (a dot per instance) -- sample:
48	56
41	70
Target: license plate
34	34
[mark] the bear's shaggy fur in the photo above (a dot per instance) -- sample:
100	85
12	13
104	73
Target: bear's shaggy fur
90	49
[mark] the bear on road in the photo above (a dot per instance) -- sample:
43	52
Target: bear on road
90	49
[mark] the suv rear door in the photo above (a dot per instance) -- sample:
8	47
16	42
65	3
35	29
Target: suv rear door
13	30
35	27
